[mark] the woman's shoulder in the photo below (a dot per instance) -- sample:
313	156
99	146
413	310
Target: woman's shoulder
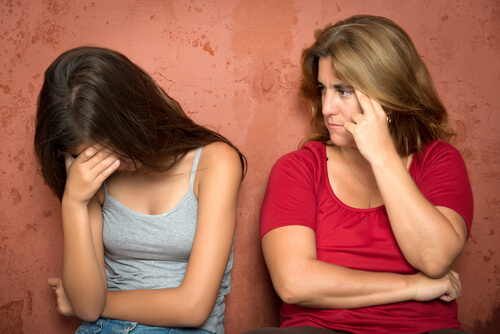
439	149
310	152
437	156
307	160
439	145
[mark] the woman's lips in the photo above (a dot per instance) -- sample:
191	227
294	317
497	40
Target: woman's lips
335	126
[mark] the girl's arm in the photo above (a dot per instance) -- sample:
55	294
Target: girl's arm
299	278
431	238
83	276
190	304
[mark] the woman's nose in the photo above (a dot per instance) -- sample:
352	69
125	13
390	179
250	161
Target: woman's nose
329	104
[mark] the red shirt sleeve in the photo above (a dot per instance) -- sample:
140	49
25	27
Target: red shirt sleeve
290	197
441	175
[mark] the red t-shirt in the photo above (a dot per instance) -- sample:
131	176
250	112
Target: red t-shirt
299	193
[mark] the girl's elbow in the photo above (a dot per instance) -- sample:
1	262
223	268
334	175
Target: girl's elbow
88	315
197	318
195	314
89	311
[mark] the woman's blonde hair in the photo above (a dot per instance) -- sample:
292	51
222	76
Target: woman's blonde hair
377	57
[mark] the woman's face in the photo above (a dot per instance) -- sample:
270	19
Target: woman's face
338	101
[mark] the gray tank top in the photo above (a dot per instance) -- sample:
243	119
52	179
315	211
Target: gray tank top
152	251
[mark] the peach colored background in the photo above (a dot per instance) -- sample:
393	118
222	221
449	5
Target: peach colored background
234	65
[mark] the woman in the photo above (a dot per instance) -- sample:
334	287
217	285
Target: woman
148	199
361	226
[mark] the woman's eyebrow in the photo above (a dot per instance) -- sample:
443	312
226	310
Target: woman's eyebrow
342	86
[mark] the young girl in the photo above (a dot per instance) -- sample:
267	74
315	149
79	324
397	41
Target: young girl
148	199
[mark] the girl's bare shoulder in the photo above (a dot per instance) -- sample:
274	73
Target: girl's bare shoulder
219	155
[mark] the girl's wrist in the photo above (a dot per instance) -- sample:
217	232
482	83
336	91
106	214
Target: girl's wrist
72	203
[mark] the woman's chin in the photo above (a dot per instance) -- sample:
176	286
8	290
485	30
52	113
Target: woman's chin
343	141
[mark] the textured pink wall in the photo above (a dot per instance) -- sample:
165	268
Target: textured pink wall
234	65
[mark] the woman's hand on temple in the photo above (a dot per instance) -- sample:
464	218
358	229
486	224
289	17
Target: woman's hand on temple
370	129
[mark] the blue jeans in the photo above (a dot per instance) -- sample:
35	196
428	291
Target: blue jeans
110	326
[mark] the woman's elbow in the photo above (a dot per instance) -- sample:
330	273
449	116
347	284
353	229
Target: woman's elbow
437	267
288	289
436	271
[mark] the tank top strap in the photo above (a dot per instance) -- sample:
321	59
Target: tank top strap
105	184
195	166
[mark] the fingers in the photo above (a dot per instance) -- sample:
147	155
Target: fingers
104	163
349	126
53	282
63	306
369	122
100	170
455	287
362	99
68	160
369	105
110	166
456	283
369	109
93	155
446	298
87	172
96	162
357	117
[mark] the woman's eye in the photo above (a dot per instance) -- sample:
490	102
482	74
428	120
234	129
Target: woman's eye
344	93
321	89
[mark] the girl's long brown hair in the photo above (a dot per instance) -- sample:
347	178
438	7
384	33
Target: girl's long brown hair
96	95
377	57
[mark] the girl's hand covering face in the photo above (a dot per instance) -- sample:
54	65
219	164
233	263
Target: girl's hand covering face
370	129
87	172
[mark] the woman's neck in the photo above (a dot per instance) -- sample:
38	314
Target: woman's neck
359	167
